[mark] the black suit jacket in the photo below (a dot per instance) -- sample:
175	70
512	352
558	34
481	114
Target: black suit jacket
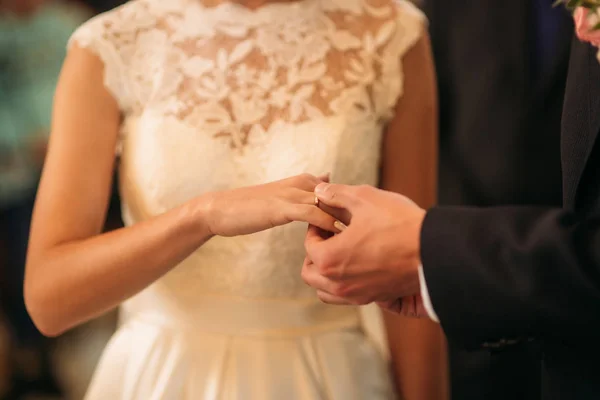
501	276
496	110
493	115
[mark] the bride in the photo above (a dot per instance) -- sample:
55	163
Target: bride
212	105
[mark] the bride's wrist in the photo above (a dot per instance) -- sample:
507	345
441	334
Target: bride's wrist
197	213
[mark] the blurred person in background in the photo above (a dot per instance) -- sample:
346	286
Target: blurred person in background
100	6
33	36
501	77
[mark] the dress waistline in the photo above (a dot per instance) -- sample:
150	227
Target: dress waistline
246	317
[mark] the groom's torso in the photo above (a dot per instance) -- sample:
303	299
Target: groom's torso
498	106
572	367
580	126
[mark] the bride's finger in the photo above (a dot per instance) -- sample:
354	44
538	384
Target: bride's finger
299	196
305	182
337	213
325	177
314	216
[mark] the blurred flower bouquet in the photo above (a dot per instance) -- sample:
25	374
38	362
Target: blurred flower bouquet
573	4
587	19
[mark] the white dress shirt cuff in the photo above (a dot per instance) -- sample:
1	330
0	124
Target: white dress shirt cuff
425	296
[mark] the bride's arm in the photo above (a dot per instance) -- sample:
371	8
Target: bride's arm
75	273
418	347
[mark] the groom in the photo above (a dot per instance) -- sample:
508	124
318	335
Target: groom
492	277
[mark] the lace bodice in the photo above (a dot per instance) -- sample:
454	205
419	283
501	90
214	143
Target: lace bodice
222	97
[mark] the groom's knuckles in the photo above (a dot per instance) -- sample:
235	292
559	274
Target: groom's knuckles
328	265
339	289
311	241
315	245
312	235
326	254
311	277
362	191
305	274
340	196
319	275
309	272
313	250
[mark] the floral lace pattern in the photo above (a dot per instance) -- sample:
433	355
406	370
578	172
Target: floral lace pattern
230	71
225	96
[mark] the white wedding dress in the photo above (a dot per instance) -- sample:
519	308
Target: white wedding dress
223	97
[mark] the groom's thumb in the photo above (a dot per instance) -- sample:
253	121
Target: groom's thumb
339	196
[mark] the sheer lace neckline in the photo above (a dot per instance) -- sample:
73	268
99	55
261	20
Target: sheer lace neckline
227	7
238	74
240	5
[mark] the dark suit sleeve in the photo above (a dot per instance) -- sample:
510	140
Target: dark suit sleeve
502	275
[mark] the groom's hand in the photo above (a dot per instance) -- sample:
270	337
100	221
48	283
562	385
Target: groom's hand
376	258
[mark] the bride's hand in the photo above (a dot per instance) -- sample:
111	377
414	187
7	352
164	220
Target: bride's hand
257	208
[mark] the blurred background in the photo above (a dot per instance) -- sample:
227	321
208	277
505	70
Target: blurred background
501	73
33	38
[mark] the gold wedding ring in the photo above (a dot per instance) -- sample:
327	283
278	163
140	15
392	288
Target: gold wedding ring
316	201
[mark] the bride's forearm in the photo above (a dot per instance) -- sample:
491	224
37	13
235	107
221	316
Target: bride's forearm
419	359
70	283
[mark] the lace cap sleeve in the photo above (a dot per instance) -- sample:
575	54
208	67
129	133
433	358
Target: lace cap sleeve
98	36
411	25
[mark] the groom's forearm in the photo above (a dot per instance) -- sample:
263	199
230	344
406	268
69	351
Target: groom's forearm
503	275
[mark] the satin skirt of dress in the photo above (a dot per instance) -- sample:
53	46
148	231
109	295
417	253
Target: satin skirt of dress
238	349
